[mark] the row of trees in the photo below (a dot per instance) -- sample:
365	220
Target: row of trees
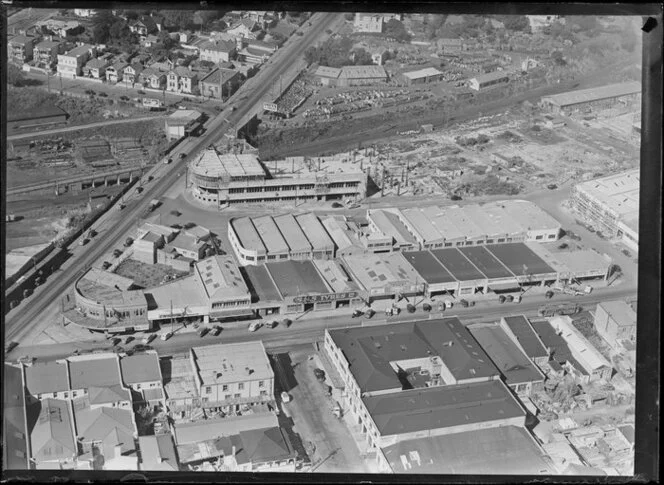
337	53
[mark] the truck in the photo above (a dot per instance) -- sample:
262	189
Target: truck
560	309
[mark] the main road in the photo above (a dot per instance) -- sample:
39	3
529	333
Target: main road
305	331
20	321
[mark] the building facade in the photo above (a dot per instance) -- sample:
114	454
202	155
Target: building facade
71	63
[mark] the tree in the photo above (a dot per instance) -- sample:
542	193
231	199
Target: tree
204	17
178	19
349	16
101	25
517	23
362	57
395	29
558	59
15	75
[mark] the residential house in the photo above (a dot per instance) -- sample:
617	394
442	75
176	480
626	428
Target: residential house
143	26
71	63
96	68
46	53
370	23
182	80
52	442
45	380
20	48
220	83
158	22
150	40
152	78
232	377
106	432
141	373
379	56
115	71
217	51
98	379
131	73
246	28
61	28
158	453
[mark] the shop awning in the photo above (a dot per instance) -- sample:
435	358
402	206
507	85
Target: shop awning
504	286
232	313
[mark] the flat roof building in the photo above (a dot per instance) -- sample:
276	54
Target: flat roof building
384	275
322	245
507	450
611	205
488	80
221	177
297	241
422	76
615	321
586	96
519	329
230	377
406	380
15	452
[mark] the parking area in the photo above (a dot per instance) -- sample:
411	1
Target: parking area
326	439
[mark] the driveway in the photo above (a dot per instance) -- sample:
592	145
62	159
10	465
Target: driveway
326	438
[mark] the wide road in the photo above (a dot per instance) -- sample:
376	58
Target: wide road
312	330
20	321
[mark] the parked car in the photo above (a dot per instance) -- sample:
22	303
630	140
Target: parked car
286	322
168	160
502	299
183	155
216	331
105	265
203	332
129	338
464	303
148	338
510	298
285	397
11	346
116	341
84	241
128	242
141	347
357	313
273	323
117	253
254	326
166	336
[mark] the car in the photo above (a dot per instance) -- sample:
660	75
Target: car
150	178
183	155
254	326
92	233
203	332
168	160
84	241
286	322
139	189
216	331
285	397
141	347
274	323
166	336
149	338
117	253
129	338
116	341
11	346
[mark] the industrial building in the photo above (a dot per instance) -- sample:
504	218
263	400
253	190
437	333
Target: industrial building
598	97
298	286
615	321
611	205
491	223
520	374
43	117
224	179
350	75
419	379
182	123
488	80
422	76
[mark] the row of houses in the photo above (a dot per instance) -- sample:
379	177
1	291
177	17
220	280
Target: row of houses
83	412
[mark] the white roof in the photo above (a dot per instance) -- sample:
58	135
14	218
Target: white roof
229	363
270	234
211	429
247	234
221	278
292	232
185	115
444	225
529	215
584	351
422	224
213	164
619	193
337	233
315	232
429	71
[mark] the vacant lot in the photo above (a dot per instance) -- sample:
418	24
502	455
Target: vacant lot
147	275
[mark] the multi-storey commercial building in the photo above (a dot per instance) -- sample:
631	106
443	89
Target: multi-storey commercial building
373	22
225	179
220	83
20	48
351	75
599	97
231	377
217	51
71	63
412	380
611	204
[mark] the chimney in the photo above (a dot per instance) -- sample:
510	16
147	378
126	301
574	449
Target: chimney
233	451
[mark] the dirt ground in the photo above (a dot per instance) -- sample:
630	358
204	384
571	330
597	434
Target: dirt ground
147	275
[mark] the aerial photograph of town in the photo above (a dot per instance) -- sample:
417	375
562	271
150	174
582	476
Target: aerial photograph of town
320	242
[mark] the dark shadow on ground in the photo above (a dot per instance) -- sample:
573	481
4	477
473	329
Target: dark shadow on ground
286	424
285	377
